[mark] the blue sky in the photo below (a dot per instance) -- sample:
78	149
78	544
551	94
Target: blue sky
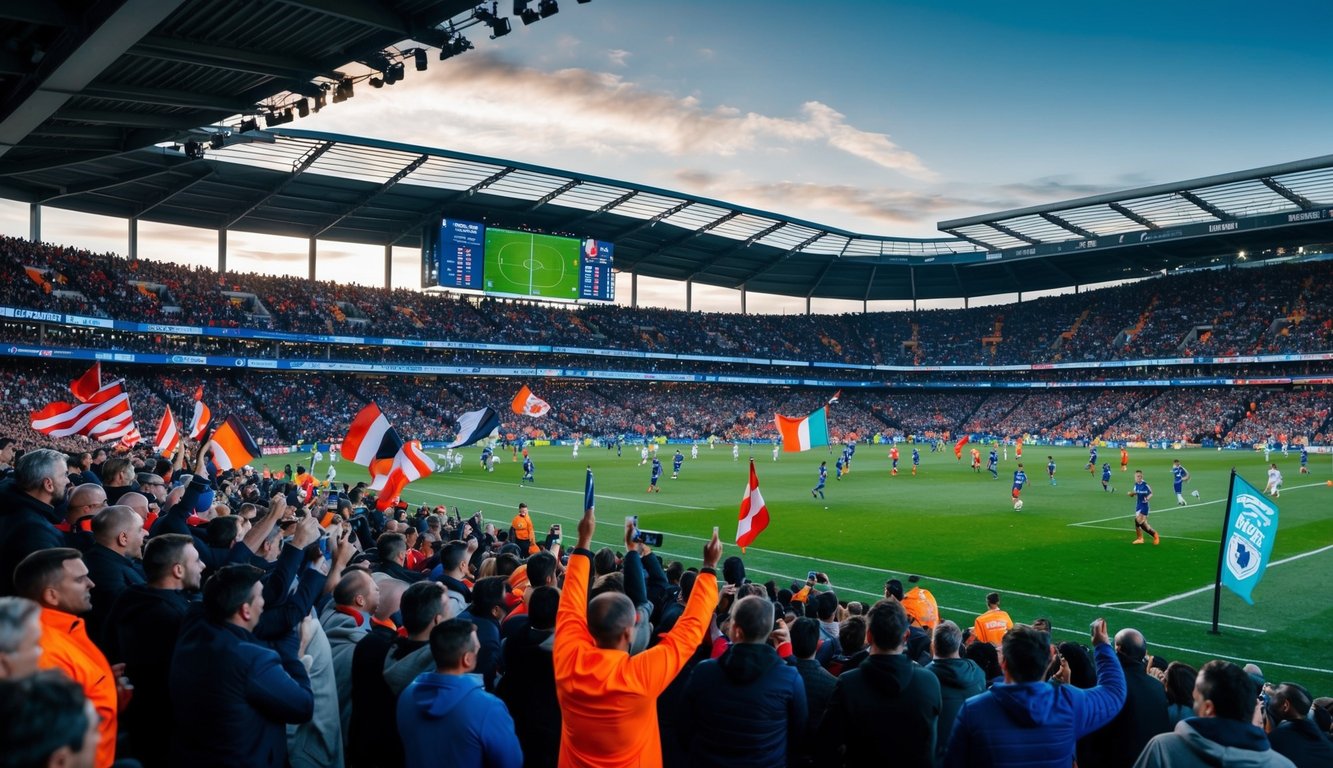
881	117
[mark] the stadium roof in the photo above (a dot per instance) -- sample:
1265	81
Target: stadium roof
83	79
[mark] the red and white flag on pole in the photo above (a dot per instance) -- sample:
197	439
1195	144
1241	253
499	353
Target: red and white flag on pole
168	438
130	439
87	385
754	514
527	404
104	416
202	415
410	464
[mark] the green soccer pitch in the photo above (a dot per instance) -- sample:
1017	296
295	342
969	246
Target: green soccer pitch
527	264
1066	556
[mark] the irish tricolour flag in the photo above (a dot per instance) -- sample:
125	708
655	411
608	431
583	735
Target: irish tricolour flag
804	433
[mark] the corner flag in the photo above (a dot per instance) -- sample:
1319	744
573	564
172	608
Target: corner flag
1247	539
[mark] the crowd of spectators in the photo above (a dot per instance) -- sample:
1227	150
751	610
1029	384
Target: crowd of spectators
1209	313
377	636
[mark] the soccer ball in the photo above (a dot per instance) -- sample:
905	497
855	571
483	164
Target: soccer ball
1195	494
1018	505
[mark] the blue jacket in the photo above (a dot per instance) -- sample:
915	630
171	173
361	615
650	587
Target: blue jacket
244	691
453	711
746	708
1035	724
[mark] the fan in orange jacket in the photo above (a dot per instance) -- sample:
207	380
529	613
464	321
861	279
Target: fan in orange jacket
608	698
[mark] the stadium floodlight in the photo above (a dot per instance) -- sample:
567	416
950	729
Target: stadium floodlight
456	45
484	14
528	15
581	2
376	82
500	27
394	73
303	107
248	124
194	150
217	141
278	118
419	57
319	101
344	91
548	8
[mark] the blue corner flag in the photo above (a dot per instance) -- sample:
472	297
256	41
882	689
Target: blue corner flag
588	500
1248	541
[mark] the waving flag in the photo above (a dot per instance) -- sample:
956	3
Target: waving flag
371	440
754	514
410	464
589	500
106	412
168	438
475	425
803	434
87	385
202	415
130	439
232	445
1248	542
527	404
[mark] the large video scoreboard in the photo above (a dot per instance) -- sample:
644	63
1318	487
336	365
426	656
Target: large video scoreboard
507	262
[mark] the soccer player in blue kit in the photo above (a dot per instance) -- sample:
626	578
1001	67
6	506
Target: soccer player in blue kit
1106	478
1305	460
916	460
676	461
1142	494
837	466
1020	480
527	472
992	463
657	475
1050	468
1092	459
1179	476
823	478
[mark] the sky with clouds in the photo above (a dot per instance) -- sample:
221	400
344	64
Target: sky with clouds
879	117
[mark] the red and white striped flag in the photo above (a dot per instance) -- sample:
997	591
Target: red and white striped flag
754	515
410	464
202	415
105	413
232	445
371	438
130	439
168	438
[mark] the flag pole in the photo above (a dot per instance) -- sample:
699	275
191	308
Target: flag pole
1221	552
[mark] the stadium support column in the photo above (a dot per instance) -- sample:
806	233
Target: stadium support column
807	304
388	266
689	296
310	261
35	222
744	293
134	239
634	290
222	250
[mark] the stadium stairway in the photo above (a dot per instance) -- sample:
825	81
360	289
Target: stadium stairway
258	404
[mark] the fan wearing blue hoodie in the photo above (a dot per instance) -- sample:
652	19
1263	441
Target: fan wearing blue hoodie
1026	721
449	706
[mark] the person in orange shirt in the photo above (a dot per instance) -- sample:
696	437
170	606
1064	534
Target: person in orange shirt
520	531
57	580
921	607
608	698
976	461
991	625
1124	460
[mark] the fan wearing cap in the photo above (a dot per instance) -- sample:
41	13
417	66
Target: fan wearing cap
521	531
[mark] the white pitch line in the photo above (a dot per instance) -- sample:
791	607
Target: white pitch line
1194	592
580	493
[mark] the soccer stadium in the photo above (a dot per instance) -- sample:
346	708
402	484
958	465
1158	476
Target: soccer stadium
514	515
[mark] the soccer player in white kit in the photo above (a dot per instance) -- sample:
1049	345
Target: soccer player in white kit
735	451
694	451
1274	487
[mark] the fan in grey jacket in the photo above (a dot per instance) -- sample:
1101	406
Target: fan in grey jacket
960	679
1221	734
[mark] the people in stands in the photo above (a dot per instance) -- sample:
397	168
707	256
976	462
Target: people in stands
113	562
28	513
83	504
20	636
219	667
746	706
392	552
1144	715
141	632
818	681
57	580
1291	732
960	679
886	688
528	685
448	708
1026	721
1222	731
991	626
486	611
346	621
45	720
609	698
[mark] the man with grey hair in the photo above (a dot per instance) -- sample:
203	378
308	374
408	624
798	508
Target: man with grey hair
960	679
20	637
113	563
28	514
746	705
1119	742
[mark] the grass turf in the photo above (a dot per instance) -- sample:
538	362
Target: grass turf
1066	556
